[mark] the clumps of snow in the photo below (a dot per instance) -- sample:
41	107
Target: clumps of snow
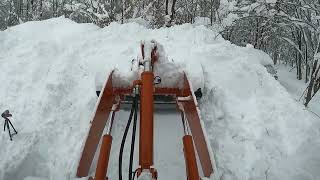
171	73
252	120
167	20
148	48
271	1
145	176
249	46
231	17
255	128
201	21
139	20
264	59
306	162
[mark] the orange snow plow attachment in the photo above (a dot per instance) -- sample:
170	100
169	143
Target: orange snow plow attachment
194	140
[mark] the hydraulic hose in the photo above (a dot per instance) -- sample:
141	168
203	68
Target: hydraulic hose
125	136
133	138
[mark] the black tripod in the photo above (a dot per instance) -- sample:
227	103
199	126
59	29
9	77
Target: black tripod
6	124
7	121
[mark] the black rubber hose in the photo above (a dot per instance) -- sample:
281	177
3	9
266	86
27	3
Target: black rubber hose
133	138
134	174
124	137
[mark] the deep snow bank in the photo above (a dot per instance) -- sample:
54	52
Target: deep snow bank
47	76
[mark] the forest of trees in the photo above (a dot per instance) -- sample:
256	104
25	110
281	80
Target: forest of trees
288	30
102	12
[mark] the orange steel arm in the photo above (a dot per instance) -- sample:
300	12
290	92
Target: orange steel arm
193	119
146	121
101	115
103	161
190	158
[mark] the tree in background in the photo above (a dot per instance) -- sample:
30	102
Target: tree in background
288	30
314	84
158	13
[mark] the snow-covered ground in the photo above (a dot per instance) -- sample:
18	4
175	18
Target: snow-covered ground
296	88
256	128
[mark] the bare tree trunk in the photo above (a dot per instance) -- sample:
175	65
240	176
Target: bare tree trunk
172	16
20	9
27	11
307	65
167	8
275	57
57	5
211	12
33	9
9	23
53	8
256	33
261	43
41	2
299	56
195	10
122	11
313	86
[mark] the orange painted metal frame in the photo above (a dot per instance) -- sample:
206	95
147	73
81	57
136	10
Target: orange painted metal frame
157	91
193	118
103	161
104	107
146	121
98	123
190	158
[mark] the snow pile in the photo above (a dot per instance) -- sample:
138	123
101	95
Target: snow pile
297	87
171	73
48	69
257	130
201	21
